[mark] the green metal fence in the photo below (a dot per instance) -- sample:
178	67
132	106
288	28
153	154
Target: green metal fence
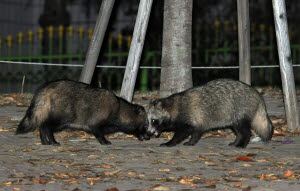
213	45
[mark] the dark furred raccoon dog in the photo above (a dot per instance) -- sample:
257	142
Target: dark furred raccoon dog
68	104
218	104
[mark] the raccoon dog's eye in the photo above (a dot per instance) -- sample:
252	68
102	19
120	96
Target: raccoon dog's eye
154	122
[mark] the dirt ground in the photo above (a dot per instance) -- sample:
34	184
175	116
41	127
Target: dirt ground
81	163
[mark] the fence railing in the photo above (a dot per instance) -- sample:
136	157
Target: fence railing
214	45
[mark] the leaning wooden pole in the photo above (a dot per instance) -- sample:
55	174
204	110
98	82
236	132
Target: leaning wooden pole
136	49
96	41
286	67
244	41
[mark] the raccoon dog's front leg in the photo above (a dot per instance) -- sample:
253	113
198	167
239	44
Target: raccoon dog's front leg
243	134
102	140
196	135
177	138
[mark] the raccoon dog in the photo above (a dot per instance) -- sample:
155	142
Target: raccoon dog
218	104
68	104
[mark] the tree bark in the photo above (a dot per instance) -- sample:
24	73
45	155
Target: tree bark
244	41
176	62
286	66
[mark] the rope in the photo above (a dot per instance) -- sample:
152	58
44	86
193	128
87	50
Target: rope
143	67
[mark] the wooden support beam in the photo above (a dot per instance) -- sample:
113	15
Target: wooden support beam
96	41
286	67
136	49
244	41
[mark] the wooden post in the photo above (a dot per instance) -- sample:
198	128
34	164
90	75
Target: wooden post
286	67
96	41
244	41
136	48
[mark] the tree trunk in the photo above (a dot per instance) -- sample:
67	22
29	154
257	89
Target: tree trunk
176	62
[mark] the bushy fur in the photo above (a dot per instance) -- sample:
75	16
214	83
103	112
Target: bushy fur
68	104
218	104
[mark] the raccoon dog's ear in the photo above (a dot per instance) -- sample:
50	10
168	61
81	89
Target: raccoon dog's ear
155	102
152	102
140	109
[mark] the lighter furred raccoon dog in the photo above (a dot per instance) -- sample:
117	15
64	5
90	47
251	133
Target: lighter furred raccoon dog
218	104
68	104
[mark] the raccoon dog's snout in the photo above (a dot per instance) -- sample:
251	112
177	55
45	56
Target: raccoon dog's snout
153	131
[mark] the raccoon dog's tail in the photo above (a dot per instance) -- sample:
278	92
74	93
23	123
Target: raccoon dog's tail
26	125
262	124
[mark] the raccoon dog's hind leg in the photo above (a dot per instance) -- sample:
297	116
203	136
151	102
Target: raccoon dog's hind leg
46	135
100	137
242	132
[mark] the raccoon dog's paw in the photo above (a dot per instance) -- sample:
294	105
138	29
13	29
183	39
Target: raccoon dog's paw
188	144
237	145
157	134
55	144
233	144
106	143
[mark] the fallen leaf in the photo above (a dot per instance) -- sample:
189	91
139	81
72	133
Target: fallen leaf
6	183
105	166
95	178
112	189
211	186
8	99
273	178
93	156
161	188
251	154
210	163
19	104
61	175
246	165
239	185
203	158
74	182
261	160
244	179
247	188
164	170
179	168
16	188
131	173
231	180
110	173
210	181
278	134
184	181
243	158
40	181
263	177
288	173
233	171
